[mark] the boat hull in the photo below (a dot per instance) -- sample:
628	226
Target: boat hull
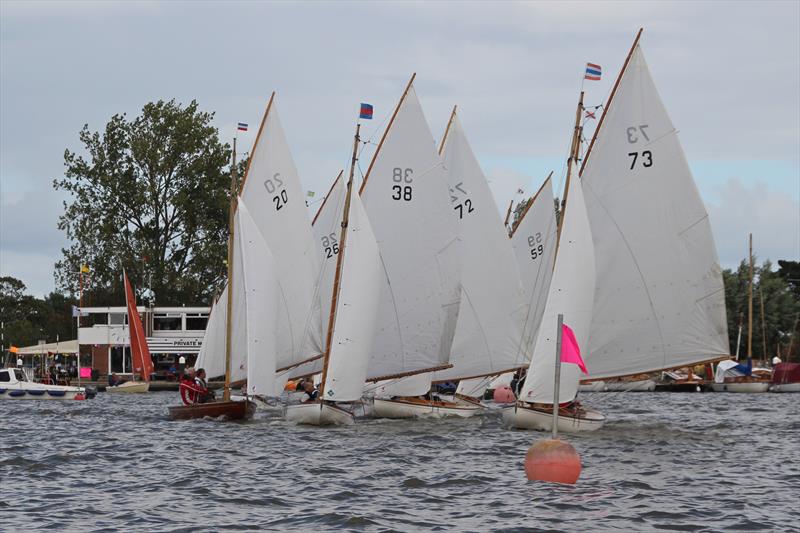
414	408
130	387
232	410
49	393
785	387
319	414
747	387
524	417
594	386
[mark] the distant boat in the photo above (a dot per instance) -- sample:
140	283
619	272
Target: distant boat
141	360
786	377
15	385
730	376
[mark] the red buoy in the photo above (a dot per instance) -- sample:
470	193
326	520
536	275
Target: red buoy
504	394
79	396
552	460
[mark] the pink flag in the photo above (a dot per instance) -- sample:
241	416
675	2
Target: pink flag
570	351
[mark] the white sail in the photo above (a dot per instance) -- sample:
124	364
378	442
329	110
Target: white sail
212	352
260	296
406	198
474	388
571	294
327	228
660	300
492	310
357	306
534	242
274	194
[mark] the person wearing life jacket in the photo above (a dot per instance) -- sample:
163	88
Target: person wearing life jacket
204	395
312	393
190	392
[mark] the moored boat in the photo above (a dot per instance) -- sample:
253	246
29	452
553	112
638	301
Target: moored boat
15	385
415	407
572	418
786	377
129	387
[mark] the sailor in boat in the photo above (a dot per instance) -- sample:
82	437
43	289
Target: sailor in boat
203	394
114	380
307	386
518	380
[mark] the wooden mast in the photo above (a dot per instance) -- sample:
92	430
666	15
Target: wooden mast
610	99
447	129
339	260
763	326
226	393
573	158
750	306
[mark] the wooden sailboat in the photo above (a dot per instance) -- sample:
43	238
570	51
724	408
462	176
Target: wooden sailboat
726	378
232	410
406	197
571	294
278	231
351	324
659	303
140	353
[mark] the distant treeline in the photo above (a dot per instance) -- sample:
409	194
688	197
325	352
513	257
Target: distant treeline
27	319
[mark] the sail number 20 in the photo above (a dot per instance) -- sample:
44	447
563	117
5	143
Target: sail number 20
403	177
281	196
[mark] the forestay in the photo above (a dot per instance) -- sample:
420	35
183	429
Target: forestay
534	243
357	305
260	297
571	294
660	300
405	196
274	194
492	309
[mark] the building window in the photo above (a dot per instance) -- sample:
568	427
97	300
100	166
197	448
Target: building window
197	323
119	359
116	319
169	322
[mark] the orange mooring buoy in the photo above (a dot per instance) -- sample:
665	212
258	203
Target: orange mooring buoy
553	460
504	394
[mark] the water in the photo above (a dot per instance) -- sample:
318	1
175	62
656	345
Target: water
688	462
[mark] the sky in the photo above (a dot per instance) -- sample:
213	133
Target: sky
728	73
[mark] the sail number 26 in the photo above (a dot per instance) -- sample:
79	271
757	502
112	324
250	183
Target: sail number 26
402	177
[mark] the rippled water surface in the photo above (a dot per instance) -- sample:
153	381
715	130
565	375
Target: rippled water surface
690	462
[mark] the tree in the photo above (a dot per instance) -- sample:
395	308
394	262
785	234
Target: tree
790	271
151	197
781	308
26	319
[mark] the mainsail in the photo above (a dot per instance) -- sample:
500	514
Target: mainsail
272	190
492	310
660	300
534	243
406	198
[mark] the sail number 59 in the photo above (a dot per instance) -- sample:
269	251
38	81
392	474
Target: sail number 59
537	249
402	176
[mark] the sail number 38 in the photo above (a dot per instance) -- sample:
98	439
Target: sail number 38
403	178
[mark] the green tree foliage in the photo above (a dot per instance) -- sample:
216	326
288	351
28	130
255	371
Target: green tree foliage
781	309
27	320
790	271
149	195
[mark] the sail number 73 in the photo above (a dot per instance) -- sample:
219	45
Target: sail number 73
403	178
647	158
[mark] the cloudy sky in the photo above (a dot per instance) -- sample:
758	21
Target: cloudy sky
729	75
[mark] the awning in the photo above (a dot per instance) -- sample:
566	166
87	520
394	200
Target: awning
64	347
